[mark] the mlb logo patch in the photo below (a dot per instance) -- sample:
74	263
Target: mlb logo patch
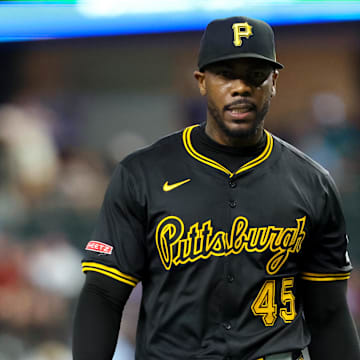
99	247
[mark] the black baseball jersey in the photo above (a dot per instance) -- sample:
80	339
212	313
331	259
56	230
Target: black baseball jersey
219	253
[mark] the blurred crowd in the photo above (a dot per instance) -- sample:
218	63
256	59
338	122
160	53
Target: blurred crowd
49	194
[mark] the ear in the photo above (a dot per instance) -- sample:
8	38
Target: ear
275	76
200	77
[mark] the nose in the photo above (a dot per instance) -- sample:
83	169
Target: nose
240	87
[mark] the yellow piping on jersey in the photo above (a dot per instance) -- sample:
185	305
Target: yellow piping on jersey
210	162
325	277
189	148
109	271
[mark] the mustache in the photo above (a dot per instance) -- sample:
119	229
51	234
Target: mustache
243	101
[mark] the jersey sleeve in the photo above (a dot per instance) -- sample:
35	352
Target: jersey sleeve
326	253
117	246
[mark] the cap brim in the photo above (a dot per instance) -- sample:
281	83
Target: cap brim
276	64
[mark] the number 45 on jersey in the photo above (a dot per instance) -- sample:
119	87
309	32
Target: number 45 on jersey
265	305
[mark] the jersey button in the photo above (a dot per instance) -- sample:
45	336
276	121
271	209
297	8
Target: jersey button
232	184
230	278
227	326
232	203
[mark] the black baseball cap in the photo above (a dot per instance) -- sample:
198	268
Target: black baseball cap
237	37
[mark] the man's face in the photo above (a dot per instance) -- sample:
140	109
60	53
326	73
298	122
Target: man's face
238	93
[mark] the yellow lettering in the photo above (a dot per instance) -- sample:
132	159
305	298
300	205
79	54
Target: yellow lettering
277	261
219	243
168	233
206	233
195	240
238	234
241	30
201	242
301	233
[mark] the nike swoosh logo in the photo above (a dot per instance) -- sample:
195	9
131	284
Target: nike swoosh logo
167	187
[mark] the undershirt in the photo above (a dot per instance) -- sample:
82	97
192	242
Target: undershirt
230	157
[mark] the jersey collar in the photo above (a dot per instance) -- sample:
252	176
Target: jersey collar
210	162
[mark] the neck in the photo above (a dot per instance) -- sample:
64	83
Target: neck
240	141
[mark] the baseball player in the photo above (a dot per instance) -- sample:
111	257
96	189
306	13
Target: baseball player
237	237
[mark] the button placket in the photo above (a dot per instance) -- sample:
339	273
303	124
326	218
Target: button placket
227	326
230	278
232	185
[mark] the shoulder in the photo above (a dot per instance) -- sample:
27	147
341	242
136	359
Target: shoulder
164	149
295	158
304	170
144	164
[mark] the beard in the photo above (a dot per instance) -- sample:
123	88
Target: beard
216	114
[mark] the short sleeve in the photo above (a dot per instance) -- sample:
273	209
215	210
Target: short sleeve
117	245
326	251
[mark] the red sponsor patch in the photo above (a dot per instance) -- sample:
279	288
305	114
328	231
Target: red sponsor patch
99	247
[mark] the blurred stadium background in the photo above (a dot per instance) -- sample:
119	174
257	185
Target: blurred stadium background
104	81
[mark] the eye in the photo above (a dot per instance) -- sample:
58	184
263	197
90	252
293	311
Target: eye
257	77
227	74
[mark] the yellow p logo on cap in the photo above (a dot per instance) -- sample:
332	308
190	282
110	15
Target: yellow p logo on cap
241	30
